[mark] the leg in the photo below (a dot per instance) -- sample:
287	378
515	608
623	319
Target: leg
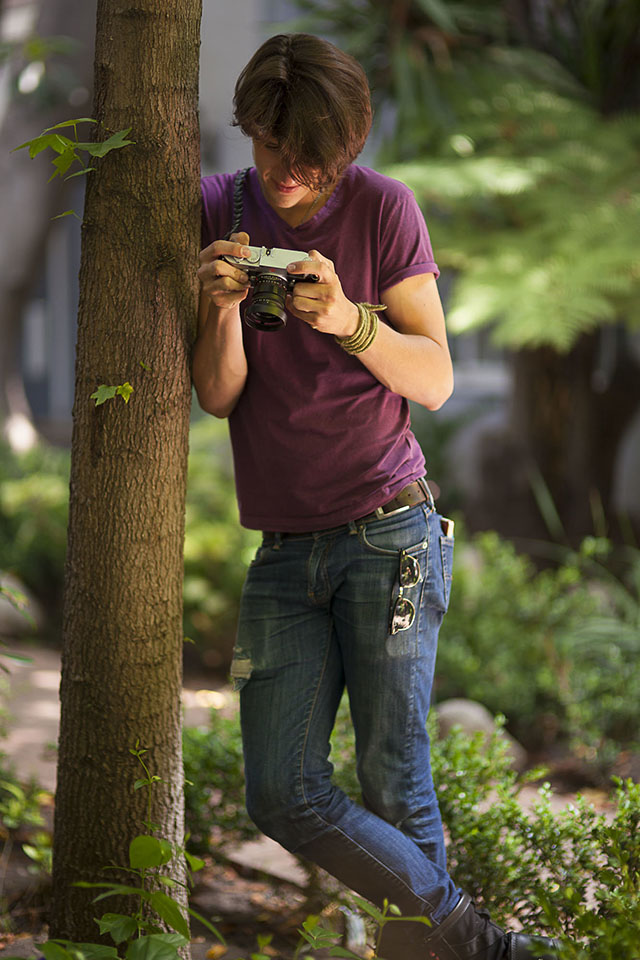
291	668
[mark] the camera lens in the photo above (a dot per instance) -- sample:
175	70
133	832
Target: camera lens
266	310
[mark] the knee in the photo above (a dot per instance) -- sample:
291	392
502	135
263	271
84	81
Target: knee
276	811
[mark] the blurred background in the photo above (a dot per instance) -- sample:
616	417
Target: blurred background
517	125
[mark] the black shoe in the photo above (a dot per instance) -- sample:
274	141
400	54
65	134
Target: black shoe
522	947
465	934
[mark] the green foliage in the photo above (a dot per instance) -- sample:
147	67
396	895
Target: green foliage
520	139
215	813
68	151
571	871
574	871
21	821
34	493
534	204
217	549
104	392
139	935
555	651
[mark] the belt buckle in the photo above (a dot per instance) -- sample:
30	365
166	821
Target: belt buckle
380	514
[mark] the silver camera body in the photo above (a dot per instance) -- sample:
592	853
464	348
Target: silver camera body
270	282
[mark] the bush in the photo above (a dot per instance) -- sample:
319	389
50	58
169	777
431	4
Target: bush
555	651
217	549
34	495
575	872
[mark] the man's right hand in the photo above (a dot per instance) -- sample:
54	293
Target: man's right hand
224	284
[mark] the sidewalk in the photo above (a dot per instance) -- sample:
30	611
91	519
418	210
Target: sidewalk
34	712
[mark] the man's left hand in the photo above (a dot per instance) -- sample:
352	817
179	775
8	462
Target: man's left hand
323	305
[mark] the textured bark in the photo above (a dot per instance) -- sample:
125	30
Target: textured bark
122	652
567	414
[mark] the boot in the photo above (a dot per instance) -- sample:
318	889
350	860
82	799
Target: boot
466	934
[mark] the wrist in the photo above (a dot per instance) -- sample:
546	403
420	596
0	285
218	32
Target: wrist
352	322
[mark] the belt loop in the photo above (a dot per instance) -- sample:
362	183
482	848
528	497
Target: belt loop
277	540
425	486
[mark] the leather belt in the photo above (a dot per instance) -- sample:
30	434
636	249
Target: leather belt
409	496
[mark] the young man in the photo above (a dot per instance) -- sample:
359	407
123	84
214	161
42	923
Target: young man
351	582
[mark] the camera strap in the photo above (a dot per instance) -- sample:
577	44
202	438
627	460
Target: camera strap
238	190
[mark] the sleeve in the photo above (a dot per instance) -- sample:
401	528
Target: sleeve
405	245
217	207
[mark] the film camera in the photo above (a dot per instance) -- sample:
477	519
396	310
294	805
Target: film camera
270	283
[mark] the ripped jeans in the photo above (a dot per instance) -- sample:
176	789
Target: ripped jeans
315	616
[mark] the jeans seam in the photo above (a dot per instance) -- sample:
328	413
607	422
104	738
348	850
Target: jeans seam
305	740
367	855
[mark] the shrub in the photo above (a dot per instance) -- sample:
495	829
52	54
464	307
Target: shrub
217	549
34	494
555	651
575	872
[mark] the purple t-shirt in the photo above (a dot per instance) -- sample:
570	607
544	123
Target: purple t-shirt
317	439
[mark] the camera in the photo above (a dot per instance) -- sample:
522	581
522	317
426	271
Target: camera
270	283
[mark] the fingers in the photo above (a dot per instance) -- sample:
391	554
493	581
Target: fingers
226	283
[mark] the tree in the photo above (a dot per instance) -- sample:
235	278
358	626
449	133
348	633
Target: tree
122	632
516	121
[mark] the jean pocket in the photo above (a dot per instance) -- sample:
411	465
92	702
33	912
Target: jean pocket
408	532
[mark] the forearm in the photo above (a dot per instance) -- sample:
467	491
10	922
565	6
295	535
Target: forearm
219	361
413	365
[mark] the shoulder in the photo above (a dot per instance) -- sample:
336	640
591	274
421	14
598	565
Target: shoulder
378	185
217	186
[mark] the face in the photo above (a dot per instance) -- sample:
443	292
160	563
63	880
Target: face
281	191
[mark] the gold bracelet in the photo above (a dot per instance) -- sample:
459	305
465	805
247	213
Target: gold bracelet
366	330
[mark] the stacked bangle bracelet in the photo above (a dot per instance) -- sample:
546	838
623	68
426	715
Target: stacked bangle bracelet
366	331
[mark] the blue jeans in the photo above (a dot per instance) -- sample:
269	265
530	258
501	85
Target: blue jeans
315	616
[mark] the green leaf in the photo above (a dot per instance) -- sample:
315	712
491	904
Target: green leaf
119	926
67	213
103	393
125	390
114	890
151	948
195	863
114	142
169	911
53	951
369	909
70	123
80	173
146	851
207	923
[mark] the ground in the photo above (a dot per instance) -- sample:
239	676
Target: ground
259	889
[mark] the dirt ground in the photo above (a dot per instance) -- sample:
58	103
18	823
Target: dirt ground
260	890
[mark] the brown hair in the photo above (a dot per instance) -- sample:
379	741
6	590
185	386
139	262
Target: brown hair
308	98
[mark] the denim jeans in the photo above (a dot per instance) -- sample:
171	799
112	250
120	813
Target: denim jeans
315	616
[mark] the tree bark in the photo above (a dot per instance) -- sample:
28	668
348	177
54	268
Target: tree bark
122	632
566	417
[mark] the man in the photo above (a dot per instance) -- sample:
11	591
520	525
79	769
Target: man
352	579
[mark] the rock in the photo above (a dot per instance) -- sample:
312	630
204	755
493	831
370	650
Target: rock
473	717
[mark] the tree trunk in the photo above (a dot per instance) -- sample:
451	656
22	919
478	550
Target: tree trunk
567	415
122	632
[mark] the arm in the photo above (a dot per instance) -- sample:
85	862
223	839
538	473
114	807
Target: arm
219	362
410	357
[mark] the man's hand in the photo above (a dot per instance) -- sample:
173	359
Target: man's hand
322	305
225	284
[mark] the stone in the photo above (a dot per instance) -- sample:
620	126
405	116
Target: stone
472	717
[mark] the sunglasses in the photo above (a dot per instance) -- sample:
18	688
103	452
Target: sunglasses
404	612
